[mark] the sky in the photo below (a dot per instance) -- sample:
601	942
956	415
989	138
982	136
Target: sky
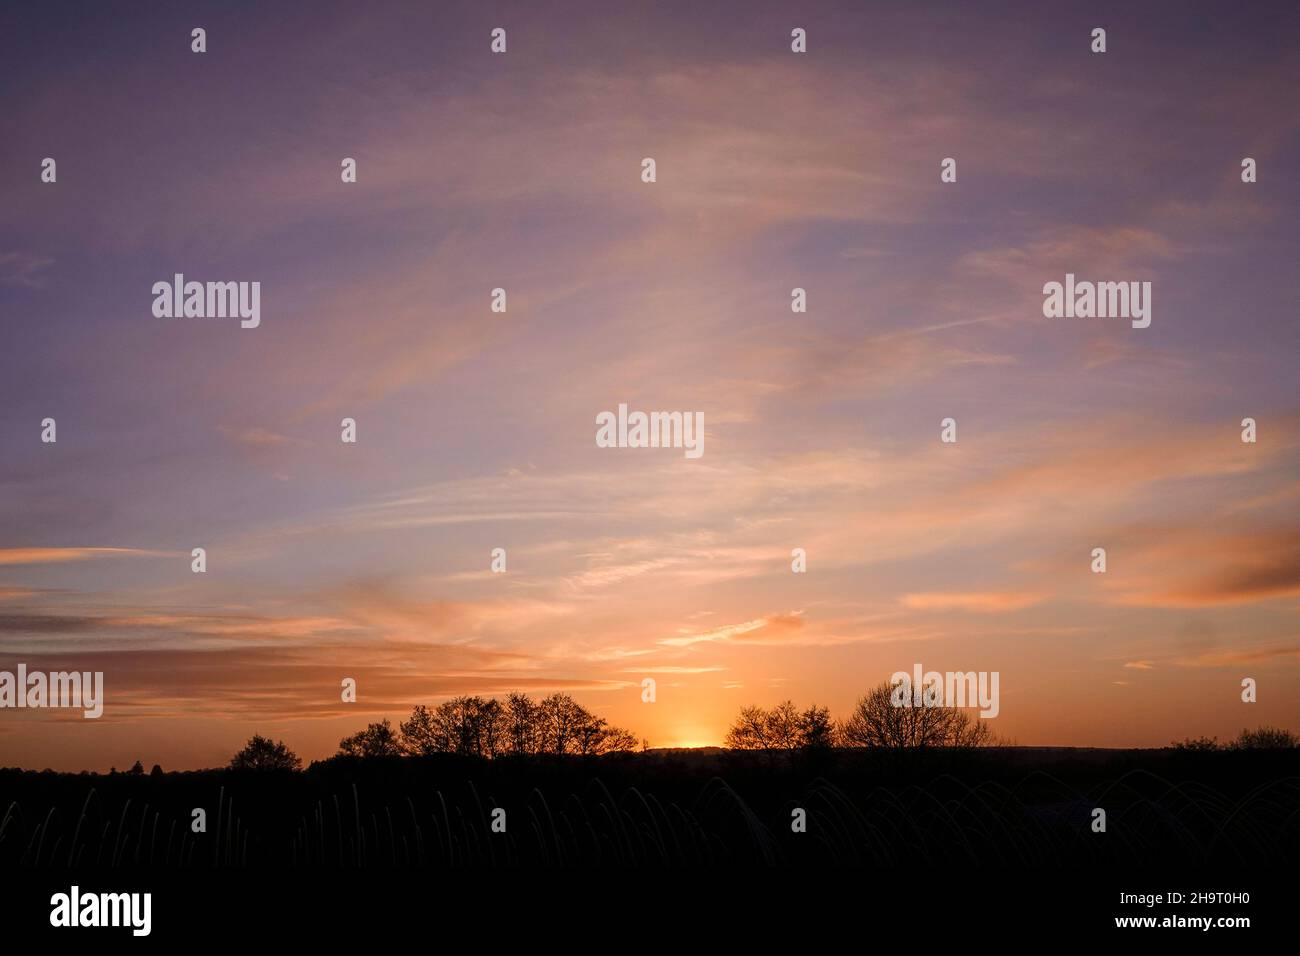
475	429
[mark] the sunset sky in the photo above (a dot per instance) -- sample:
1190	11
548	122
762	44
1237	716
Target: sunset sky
476	430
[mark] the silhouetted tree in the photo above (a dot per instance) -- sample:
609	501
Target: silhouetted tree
876	722
490	728
1265	738
783	726
470	726
749	732
478	727
261	754
521	724
616	740
377	740
420	735
560	718
816	729
457	723
137	769
595	736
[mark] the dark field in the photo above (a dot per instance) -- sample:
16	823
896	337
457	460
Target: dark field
1002	807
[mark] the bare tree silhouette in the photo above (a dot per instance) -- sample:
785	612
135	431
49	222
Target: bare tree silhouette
561	719
478	727
522	721
469	726
783	727
876	722
749	732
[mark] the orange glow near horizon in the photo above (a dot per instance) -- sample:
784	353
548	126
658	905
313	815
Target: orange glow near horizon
476	430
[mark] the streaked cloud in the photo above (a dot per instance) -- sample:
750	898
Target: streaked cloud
981	603
62	555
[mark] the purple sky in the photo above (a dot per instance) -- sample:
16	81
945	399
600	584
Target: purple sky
775	170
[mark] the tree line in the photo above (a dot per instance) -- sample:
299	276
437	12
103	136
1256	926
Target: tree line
877	723
487	727
559	725
874	722
1261	738
470	727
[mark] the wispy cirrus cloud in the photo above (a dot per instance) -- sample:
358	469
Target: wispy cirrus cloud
476	428
17	556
